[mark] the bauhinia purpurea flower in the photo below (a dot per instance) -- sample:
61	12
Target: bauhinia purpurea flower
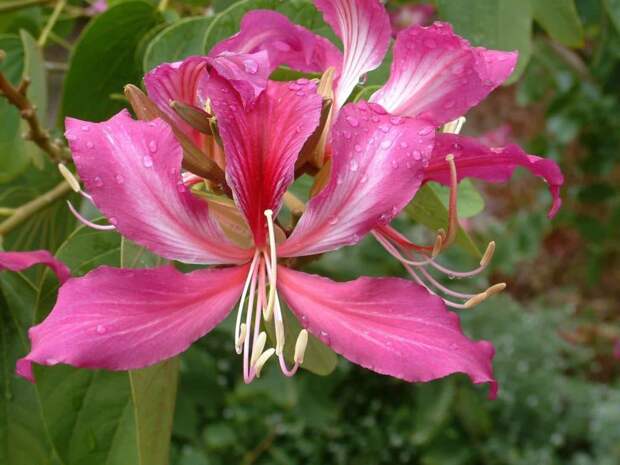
204	179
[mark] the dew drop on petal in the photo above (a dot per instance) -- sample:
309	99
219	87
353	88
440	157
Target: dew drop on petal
181	187
119	179
332	220
113	221
386	144
85	128
147	161
302	81
354	166
250	66
417	155
358	148
396	120
394	164
101	329
70	136
425	131
90	145
353	121
153	146
98	182
385	128
403	145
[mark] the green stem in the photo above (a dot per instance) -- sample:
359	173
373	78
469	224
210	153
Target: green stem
163	4
24	212
19	4
51	22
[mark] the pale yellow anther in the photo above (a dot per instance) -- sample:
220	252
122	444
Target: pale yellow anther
449	158
241	339
262	360
279	336
488	254
69	177
326	85
300	346
495	289
438	243
257	347
455	126
475	300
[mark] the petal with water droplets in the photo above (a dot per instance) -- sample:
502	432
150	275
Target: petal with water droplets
124	319
389	325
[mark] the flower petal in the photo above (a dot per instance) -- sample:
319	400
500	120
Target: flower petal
286	43
18	261
185	81
438	76
262	143
132	170
377	166
476	160
123	319
364	27
389	325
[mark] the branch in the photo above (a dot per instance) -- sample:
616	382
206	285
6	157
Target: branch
22	213
16	96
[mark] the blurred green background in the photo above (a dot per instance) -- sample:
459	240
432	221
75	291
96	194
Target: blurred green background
554	328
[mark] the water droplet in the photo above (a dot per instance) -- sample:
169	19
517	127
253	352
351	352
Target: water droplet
358	148
375	119
250	66
449	104
396	120
120	179
386	144
332	220
113	221
294	86
181	187
302	81
301	93
101	329
353	121
153	146
98	182
324	336
403	145
346	134
70	136
90	145
385	128
355	239
394	164
354	166
425	131
85	128
363	79
147	161
363	179
51	361
417	155
339	180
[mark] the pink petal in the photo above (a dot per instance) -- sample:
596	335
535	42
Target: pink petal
437	75
185	81
18	261
377	166
132	170
262	143
364	27
123	319
389	325
474	159
286	43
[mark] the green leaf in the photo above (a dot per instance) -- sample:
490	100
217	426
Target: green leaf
433	403
613	9
365	93
154	388
103	60
496	24
23	439
301	12
318	358
23	59
177	41
427	208
470	202
561	21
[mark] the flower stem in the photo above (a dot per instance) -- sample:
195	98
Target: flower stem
40	136
22	213
50	22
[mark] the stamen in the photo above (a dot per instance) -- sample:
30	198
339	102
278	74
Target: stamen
81	219
488	254
69	177
273	268
248	373
455	126
257	347
479	298
243	332
248	279
453	221
262	360
496	289
300	346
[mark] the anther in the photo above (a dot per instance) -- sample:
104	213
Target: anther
243	330
495	289
455	126
438	244
69	177
300	346
488	254
257	347
279	335
262	360
475	300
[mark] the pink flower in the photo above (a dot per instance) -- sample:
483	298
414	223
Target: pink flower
122	319
19	261
96	7
435	76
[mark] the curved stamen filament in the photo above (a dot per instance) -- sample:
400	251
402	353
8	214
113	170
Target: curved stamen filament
453	220
81	219
274	265
238	341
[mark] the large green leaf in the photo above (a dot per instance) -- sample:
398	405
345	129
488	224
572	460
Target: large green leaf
154	388
613	9
428	209
177	41
497	24
23	440
470	202
561	21
103	60
23	58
